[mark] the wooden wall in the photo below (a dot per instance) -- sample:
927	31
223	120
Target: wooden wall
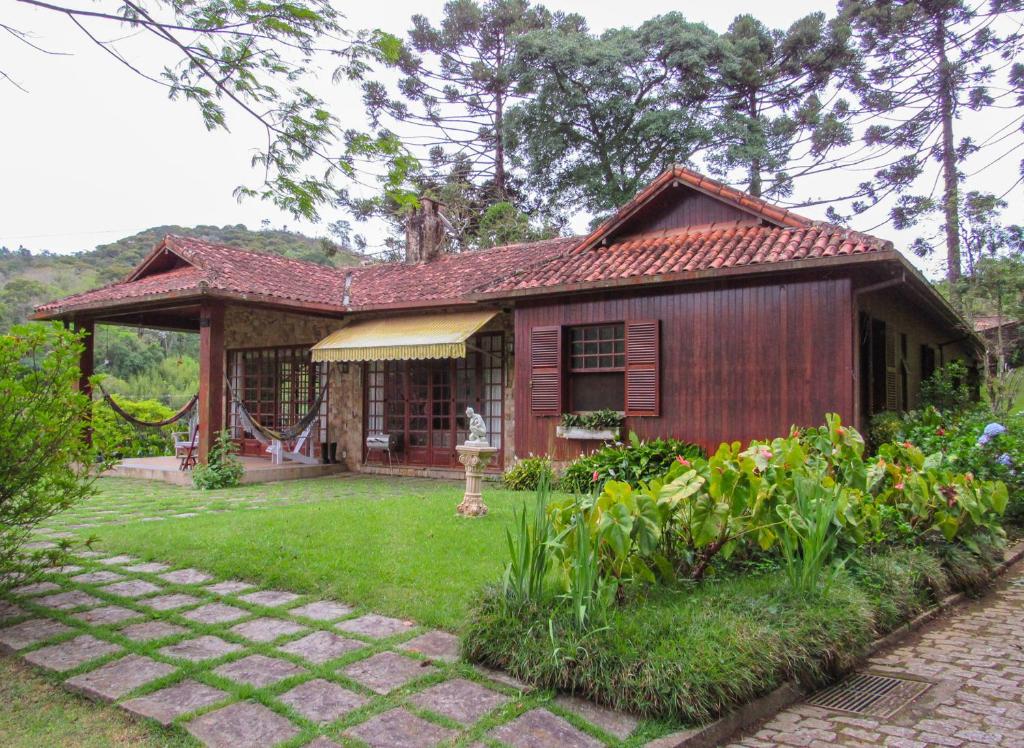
737	362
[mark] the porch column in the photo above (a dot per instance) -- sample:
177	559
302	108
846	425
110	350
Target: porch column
86	363
211	375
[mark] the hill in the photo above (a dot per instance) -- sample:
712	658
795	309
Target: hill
27	278
139	364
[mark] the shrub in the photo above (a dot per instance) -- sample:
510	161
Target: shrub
596	420
947	388
222	468
634	462
115	438
527	474
43	420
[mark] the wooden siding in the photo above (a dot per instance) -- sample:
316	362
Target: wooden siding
680	207
740	363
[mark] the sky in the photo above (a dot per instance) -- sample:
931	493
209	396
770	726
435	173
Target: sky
90	152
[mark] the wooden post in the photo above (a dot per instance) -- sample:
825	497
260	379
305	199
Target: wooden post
86	363
211	375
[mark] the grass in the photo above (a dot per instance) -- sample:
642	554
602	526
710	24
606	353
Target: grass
37	712
394	546
693	653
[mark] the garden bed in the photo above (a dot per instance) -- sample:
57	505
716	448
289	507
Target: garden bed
694	653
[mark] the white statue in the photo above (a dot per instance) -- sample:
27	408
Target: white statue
477	428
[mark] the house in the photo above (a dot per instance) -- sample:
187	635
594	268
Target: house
696	310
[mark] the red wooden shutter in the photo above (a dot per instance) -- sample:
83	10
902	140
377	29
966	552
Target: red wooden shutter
643	393
546	370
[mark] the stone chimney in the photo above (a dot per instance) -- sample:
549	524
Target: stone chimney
424	232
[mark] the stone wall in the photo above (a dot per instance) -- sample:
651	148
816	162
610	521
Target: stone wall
247	327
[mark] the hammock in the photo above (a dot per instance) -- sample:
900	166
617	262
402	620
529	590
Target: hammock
186	409
250	424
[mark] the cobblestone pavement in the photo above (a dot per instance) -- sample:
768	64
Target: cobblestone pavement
232	665
974	657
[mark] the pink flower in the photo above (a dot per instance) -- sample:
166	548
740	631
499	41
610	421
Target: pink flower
940	431
899	486
594	477
766	453
908	445
682	461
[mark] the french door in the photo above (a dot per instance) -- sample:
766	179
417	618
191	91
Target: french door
422	404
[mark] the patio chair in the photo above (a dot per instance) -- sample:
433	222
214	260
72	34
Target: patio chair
186	444
292	450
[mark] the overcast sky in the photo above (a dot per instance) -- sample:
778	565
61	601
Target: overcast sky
92	153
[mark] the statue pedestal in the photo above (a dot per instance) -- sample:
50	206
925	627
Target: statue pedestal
476	458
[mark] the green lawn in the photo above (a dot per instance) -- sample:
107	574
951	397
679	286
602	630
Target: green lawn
39	713
392	545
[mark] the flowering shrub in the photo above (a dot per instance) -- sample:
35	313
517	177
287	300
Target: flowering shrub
526	474
634	462
701	508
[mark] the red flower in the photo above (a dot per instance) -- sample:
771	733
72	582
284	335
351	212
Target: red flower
594	477
908	445
940	431
682	461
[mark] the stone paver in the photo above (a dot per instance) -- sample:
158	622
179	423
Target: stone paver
167	704
106	615
267	629
322	742
66	569
200	648
399	728
132	588
31	632
539	728
150	567
259	670
148	631
322	610
117	678
386	671
38	588
439	645
321	646
171	602
9	610
461	700
68	600
974	657
72	653
186	576
230	587
115	560
616	723
322	701
216	613
375	626
242	724
269	598
98	577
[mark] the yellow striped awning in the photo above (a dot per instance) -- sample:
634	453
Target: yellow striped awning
401	338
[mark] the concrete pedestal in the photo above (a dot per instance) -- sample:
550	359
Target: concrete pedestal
475	457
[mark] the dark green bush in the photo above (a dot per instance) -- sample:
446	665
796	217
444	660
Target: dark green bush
634	462
526	474
222	468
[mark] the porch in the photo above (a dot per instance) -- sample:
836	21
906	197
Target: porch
257	470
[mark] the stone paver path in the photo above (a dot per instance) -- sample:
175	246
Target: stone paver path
974	657
235	665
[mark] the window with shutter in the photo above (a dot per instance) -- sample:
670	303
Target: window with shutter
546	370
891	373
643	391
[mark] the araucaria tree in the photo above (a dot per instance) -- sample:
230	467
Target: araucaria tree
776	102
43	422
458	81
606	113
924	63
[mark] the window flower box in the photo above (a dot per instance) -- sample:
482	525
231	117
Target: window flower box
585	434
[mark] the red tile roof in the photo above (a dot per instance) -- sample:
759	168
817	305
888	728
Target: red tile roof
695	248
538	267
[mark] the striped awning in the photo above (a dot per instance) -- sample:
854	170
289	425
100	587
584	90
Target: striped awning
402	338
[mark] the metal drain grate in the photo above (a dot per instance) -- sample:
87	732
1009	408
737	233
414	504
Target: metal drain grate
873	695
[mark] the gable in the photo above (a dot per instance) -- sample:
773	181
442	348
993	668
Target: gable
162	259
679	199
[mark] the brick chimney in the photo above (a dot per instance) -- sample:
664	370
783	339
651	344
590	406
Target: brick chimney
424	232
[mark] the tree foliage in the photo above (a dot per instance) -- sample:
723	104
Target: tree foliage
43	422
